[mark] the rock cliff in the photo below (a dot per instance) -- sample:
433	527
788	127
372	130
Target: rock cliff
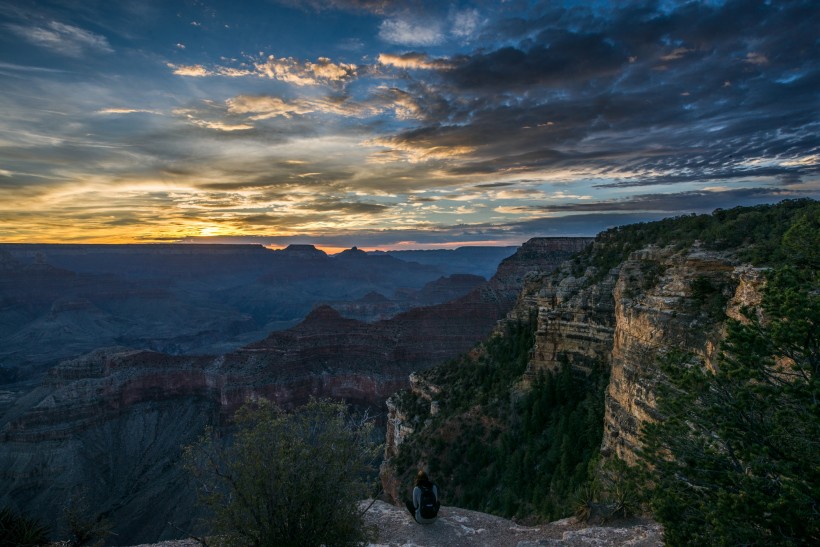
112	422
655	301
636	295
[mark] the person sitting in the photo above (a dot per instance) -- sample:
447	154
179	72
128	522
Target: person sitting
425	504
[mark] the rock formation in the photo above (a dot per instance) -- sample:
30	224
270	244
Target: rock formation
625	303
375	306
636	313
627	317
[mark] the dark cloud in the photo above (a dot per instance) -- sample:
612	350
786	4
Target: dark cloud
693	92
566	59
369	6
495	185
786	175
346	207
694	201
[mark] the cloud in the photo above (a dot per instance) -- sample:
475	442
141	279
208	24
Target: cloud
323	71
329	205
62	38
677	53
193	116
221	126
412	32
413	153
263	107
201	71
680	202
404	105
466	23
26	68
286	69
369	6
194	71
569	57
126	111
755	58
414	61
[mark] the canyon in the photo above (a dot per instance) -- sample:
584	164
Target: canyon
621	318
60	301
110	424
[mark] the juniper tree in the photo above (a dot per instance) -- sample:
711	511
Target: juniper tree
737	458
287	478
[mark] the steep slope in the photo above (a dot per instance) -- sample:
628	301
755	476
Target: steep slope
124	413
637	293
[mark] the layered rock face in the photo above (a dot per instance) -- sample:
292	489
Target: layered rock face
655	302
625	319
112	422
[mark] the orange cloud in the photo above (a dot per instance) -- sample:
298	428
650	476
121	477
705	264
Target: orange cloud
414	61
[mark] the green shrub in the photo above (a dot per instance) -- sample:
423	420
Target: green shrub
287	479
84	528
19	531
736	459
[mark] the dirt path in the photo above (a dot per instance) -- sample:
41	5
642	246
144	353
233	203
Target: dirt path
457	527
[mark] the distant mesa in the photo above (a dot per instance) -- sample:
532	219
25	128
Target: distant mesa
303	251
322	311
353	252
322	318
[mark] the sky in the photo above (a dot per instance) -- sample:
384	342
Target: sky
397	124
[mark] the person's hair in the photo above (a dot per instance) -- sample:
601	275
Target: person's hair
421	477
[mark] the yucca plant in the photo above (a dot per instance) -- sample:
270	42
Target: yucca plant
20	531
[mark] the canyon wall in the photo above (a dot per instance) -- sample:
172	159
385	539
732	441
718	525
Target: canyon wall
625	318
654	302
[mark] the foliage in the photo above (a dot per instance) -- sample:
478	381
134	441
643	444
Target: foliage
287	479
710	295
753	233
524	455
83	527
737	459
19	531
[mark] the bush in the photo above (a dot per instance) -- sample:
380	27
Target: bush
19	531
287	479
736	460
84	528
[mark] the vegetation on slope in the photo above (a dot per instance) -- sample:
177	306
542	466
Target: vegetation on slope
754	234
495	448
289	478
737	459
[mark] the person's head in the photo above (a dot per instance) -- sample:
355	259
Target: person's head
421	477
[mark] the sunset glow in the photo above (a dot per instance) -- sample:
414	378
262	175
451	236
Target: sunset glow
386	124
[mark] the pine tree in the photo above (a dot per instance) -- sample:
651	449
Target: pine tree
737	459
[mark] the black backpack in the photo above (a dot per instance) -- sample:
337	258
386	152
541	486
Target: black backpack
428	505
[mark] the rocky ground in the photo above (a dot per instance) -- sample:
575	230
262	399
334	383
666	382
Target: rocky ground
457	527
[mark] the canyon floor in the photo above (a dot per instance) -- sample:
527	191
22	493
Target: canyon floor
458	527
